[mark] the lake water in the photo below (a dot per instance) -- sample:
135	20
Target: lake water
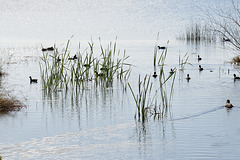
99	123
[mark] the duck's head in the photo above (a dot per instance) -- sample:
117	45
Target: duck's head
228	101
234	75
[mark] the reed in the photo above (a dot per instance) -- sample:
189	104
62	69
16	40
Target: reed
235	60
182	62
147	100
60	71
161	110
143	98
197	32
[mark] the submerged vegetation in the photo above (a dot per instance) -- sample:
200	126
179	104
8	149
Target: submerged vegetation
60	71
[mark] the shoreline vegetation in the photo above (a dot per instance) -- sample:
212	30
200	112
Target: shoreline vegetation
8	103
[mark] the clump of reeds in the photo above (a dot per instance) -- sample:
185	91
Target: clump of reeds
9	104
59	70
235	60
147	100
197	32
143	98
161	109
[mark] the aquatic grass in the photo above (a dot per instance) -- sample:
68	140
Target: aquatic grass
143	98
197	32
182	62
58	70
235	60
9	104
147	100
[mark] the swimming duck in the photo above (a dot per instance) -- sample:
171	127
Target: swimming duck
235	77
172	71
159	47
199	58
50	48
200	68
226	39
58	59
188	77
154	75
47	49
87	65
33	80
228	104
73	58
99	74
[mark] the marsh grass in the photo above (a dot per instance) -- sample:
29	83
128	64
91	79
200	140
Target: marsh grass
182	62
151	101
197	32
9	104
235	60
142	98
59	71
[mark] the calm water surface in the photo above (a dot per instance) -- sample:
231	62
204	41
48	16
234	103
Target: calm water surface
99	123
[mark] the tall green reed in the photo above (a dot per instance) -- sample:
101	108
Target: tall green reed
60	71
154	102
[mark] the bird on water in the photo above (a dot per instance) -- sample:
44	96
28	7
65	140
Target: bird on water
228	104
188	77
236	77
33	80
154	75
199	58
161	47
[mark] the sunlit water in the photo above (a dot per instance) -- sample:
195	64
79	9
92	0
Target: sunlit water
99	123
